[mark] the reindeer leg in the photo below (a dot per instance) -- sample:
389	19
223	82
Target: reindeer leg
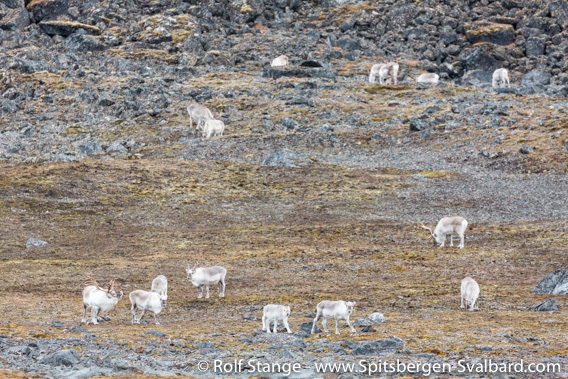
156	319
94	312
461	306
286	325
133	311
84	320
451	240
275	329
336	323
318	315
324	324
142	315
462	237
222	285
264	323
350	326
207	288
200	292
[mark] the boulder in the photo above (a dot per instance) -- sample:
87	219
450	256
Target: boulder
16	19
34	242
555	283
483	31
61	358
66	28
84	43
379	347
535	46
547	306
286	158
307	69
13	4
480	57
46	9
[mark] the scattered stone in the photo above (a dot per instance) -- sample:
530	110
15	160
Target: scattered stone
155	333
66	28
379	347
526	149
34	242
483	31
205	345
15	19
289	123
377	318
547	306
286	158
57	324
418	124
306	328
116	147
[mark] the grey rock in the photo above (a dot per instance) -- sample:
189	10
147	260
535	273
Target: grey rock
116	147
205	345
286	158
83	43
480	58
547	306
536	77
13	4
61	358
63	28
299	72
555	283
535	46
378	318
418	124
88	372
289	123
90	147
499	34
306	328
526	149
379	347
48	10
363	322
16	19
155	333
34	242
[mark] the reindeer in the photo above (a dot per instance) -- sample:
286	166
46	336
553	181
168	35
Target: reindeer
213	128
333	309
279	61
388	70
98	299
469	293
500	77
200	113
160	286
275	312
205	276
147	301
448	225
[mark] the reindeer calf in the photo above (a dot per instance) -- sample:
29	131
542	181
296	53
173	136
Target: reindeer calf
279	61
213	128
500	77
160	286
275	312
146	301
469	294
333	309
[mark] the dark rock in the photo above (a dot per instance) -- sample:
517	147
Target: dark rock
363	322
16	19
83	43
47	10
378	318
61	358
480	57
306	328
90	148
335	3
155	333
536	77
535	46
105	99
78	329
286	158
499	34
300	72
34	242
13	4
418	124
379	347
57	324
555	283
547	306
66	28
526	150
476	77
116	147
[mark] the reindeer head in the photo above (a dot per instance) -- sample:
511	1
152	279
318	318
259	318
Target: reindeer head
350	306
190	271
436	240
111	291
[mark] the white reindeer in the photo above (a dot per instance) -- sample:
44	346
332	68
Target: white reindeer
160	286
333	309
428	78
469	293
99	299
213	128
205	276
448	225
388	71
146	301
500	77
280	61
375	69
275	312
200	113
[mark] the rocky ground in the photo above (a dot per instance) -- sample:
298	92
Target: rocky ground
314	192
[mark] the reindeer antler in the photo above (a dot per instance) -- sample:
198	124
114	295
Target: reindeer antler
428	229
92	282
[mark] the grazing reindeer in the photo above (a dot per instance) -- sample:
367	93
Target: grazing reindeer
501	77
375	69
428	78
275	312
205	276
280	61
448	225
160	286
388	70
469	293
147	301
213	128
333	309
200	113
98	299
